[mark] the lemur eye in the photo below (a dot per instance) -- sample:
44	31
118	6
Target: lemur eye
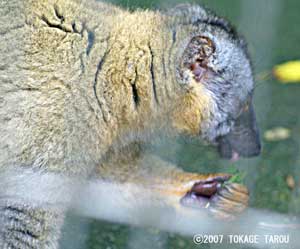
246	107
196	54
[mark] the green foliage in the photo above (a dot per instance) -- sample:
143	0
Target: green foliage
237	175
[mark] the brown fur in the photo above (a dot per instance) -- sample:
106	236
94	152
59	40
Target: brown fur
68	72
57	79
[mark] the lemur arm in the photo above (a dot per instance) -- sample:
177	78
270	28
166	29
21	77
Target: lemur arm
171	184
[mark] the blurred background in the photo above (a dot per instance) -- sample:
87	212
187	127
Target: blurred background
271	28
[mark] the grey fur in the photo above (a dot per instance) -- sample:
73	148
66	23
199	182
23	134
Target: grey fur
232	84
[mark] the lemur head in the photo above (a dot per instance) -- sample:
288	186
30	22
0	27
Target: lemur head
212	58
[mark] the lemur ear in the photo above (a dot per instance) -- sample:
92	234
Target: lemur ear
195	58
198	50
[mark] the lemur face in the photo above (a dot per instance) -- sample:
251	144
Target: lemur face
215	57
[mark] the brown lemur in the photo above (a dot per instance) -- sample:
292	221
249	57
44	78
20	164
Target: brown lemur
84	84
